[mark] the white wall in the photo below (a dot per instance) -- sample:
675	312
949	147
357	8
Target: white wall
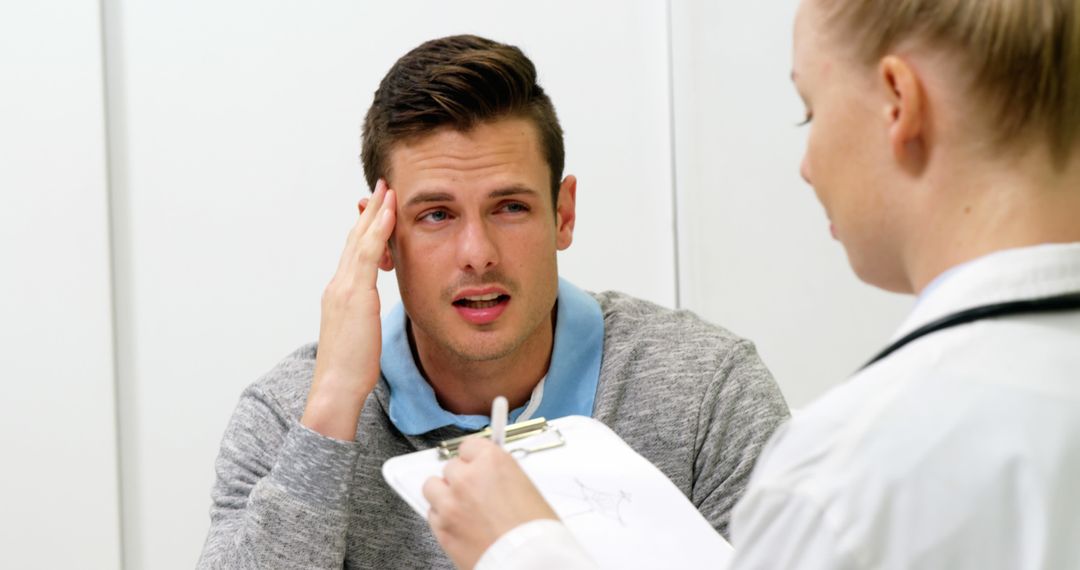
58	427
755	254
235	136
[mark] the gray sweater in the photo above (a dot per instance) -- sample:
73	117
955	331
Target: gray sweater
689	396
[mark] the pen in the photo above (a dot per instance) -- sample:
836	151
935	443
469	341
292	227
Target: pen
498	421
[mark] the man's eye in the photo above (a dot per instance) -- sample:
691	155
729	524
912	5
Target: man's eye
806	121
435	216
515	207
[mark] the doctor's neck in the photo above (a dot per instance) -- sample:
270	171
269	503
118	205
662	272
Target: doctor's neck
974	207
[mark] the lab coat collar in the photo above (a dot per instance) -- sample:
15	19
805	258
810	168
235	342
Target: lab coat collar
1023	273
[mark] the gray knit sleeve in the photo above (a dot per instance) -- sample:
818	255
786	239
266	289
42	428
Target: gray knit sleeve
281	494
741	409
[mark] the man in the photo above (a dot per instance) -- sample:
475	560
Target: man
945	148
465	155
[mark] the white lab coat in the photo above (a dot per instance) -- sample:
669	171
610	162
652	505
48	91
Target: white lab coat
960	450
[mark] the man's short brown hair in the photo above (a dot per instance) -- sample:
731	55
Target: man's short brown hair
457	82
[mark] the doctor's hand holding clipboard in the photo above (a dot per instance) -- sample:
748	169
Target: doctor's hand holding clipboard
492	510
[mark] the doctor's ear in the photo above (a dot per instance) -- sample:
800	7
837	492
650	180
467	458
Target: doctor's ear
905	110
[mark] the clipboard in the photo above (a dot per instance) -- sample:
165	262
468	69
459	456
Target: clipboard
621	508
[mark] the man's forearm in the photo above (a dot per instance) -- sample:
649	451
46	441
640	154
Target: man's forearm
281	496
350	332
333	407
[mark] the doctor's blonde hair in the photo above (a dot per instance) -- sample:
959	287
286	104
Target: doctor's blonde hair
1023	56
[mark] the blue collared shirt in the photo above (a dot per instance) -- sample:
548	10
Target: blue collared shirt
568	389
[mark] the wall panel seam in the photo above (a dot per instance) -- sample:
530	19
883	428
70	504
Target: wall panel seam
113	316
675	225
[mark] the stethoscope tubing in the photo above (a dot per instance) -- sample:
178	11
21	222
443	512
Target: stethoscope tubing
1065	302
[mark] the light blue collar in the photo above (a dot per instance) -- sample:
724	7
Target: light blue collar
569	388
937	281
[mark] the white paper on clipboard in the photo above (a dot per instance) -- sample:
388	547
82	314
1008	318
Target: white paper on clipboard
620	507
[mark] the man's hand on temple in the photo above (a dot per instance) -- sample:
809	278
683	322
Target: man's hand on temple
350	331
482	495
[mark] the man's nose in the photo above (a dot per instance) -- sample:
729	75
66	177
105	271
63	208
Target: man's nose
477	251
804	170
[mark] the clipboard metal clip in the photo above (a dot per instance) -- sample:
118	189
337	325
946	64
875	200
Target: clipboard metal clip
514	432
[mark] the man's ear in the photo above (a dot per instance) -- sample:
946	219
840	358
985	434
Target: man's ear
386	262
905	110
565	215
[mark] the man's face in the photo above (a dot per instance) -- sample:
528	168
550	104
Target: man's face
847	158
476	238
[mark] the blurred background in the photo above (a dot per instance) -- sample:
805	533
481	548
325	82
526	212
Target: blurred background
178	178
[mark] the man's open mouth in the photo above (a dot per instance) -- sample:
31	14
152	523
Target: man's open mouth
481	301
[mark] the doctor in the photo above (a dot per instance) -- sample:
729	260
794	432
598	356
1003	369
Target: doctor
944	145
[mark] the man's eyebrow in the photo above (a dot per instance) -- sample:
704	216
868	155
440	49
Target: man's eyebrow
424	197
512	191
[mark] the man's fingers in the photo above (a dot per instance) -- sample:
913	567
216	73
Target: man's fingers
373	242
375	199
367	239
369	208
388	215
